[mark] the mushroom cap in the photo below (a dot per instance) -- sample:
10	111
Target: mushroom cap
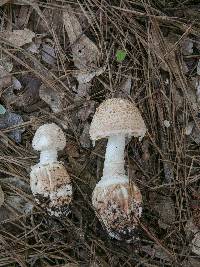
49	136
117	116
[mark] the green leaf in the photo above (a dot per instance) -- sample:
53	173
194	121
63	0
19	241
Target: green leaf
120	55
2	110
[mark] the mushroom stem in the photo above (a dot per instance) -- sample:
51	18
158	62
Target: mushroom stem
48	156
114	157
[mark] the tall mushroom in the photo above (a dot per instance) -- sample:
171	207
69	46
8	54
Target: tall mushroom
116	200
50	182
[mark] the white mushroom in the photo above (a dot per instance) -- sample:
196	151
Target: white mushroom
116	200
50	182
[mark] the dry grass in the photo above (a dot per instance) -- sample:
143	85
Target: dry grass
166	163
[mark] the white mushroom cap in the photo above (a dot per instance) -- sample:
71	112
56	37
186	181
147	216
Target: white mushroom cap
49	136
117	116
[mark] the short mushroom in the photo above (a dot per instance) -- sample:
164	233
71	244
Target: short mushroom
117	201
50	182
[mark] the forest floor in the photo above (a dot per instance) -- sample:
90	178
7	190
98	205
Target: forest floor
58	61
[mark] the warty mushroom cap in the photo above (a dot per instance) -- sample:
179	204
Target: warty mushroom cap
117	116
49	136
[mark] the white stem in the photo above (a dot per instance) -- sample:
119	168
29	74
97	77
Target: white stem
114	157
48	156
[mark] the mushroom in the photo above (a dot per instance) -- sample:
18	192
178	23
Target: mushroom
117	201
1	197
50	182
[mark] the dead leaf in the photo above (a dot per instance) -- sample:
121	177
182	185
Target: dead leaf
86	110
72	149
85	137
19	204
33	47
87	76
187	46
189	128
18	37
195	133
16	182
27	92
56	100
124	88
5	78
82	90
48	54
6	63
185	43
23	16
72	25
126	85
10	119
190	262
195	243
3	2
85	52
51	17
155	251
165	207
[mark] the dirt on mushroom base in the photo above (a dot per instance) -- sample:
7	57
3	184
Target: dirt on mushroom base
164	84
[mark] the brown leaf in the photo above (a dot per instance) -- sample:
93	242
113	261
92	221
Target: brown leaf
72	149
165	207
5	78
3	2
156	251
87	109
9	119
18	37
85	52
87	76
72	25
25	96
85	137
48	54
56	100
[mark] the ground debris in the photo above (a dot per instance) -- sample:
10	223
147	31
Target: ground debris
18	37
85	136
76	54
191	228
23	92
72	25
156	251
165	208
3	2
72	149
56	100
48	54
10	119
86	110
86	54
5	78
